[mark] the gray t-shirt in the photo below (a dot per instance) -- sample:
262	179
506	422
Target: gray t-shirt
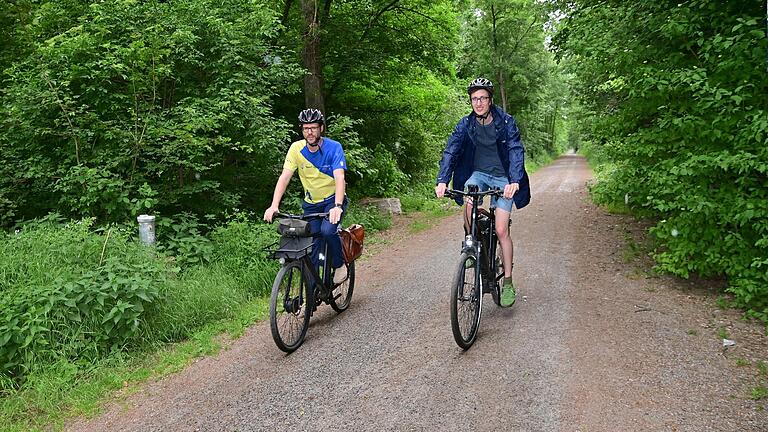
487	154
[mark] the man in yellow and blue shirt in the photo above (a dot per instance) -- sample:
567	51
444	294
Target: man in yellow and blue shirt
321	164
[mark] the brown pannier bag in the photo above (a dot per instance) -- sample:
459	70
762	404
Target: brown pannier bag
352	242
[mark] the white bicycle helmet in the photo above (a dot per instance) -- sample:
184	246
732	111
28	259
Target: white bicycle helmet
311	115
480	84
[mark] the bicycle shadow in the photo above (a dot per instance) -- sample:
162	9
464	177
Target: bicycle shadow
325	316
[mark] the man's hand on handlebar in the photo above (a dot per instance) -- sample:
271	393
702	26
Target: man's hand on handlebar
440	189
510	189
334	216
269	213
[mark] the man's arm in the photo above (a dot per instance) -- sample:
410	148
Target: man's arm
277	196
516	153
451	153
341	186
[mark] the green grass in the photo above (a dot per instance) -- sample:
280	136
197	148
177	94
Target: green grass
429	218
762	367
759	392
742	362
722	333
68	389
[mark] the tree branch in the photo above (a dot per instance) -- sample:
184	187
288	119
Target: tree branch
425	16
373	20
67	115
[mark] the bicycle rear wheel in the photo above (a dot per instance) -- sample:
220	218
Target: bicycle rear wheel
289	307
341	296
498	277
466	301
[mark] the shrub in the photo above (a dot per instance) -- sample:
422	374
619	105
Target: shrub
66	292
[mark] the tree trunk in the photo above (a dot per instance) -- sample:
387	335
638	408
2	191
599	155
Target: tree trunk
313	80
502	90
498	60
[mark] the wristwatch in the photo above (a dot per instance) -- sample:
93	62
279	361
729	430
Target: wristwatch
340	205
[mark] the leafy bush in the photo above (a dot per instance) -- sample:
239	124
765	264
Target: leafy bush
181	237
679	116
368	216
108	96
68	293
72	295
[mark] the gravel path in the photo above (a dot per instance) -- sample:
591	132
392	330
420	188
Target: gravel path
597	345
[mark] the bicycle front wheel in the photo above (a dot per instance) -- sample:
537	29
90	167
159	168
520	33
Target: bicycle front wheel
289	307
466	301
341	296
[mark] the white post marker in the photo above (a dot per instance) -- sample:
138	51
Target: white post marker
146	229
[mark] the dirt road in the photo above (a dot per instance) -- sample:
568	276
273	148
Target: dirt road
598	345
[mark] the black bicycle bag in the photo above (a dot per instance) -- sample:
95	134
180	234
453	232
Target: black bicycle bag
294	228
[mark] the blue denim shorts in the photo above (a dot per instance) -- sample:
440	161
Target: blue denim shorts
486	181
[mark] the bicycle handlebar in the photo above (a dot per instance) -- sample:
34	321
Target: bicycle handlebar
453	193
299	216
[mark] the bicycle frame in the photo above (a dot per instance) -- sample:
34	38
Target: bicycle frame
473	240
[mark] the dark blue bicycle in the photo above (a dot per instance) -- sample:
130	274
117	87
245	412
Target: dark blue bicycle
301	286
480	269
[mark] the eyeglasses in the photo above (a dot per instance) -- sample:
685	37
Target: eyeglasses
310	128
481	99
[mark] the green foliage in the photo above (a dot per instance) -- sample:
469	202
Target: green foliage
368	216
673	103
390	66
759	392
69	294
527	82
181	237
239	245
120	94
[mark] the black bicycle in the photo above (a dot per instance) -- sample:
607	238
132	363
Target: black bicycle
480	268
299	286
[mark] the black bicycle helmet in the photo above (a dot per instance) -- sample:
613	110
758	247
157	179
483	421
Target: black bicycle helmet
480	84
311	115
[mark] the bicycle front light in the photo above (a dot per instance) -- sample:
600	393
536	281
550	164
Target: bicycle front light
281	261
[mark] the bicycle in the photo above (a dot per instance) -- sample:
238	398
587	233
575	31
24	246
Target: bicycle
469	285
299	286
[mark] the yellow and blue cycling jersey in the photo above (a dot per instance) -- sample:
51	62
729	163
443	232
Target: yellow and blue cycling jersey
316	169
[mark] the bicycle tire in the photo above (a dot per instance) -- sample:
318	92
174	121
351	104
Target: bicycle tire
498	277
466	302
289	307
341	296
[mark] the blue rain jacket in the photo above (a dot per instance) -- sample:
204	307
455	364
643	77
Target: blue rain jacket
459	155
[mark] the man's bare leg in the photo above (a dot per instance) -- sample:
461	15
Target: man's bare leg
505	239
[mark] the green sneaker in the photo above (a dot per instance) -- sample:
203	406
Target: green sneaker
508	293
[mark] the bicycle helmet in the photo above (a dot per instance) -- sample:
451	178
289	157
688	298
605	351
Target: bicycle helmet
480	84
311	115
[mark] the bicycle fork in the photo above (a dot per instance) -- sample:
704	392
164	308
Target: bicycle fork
471	246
